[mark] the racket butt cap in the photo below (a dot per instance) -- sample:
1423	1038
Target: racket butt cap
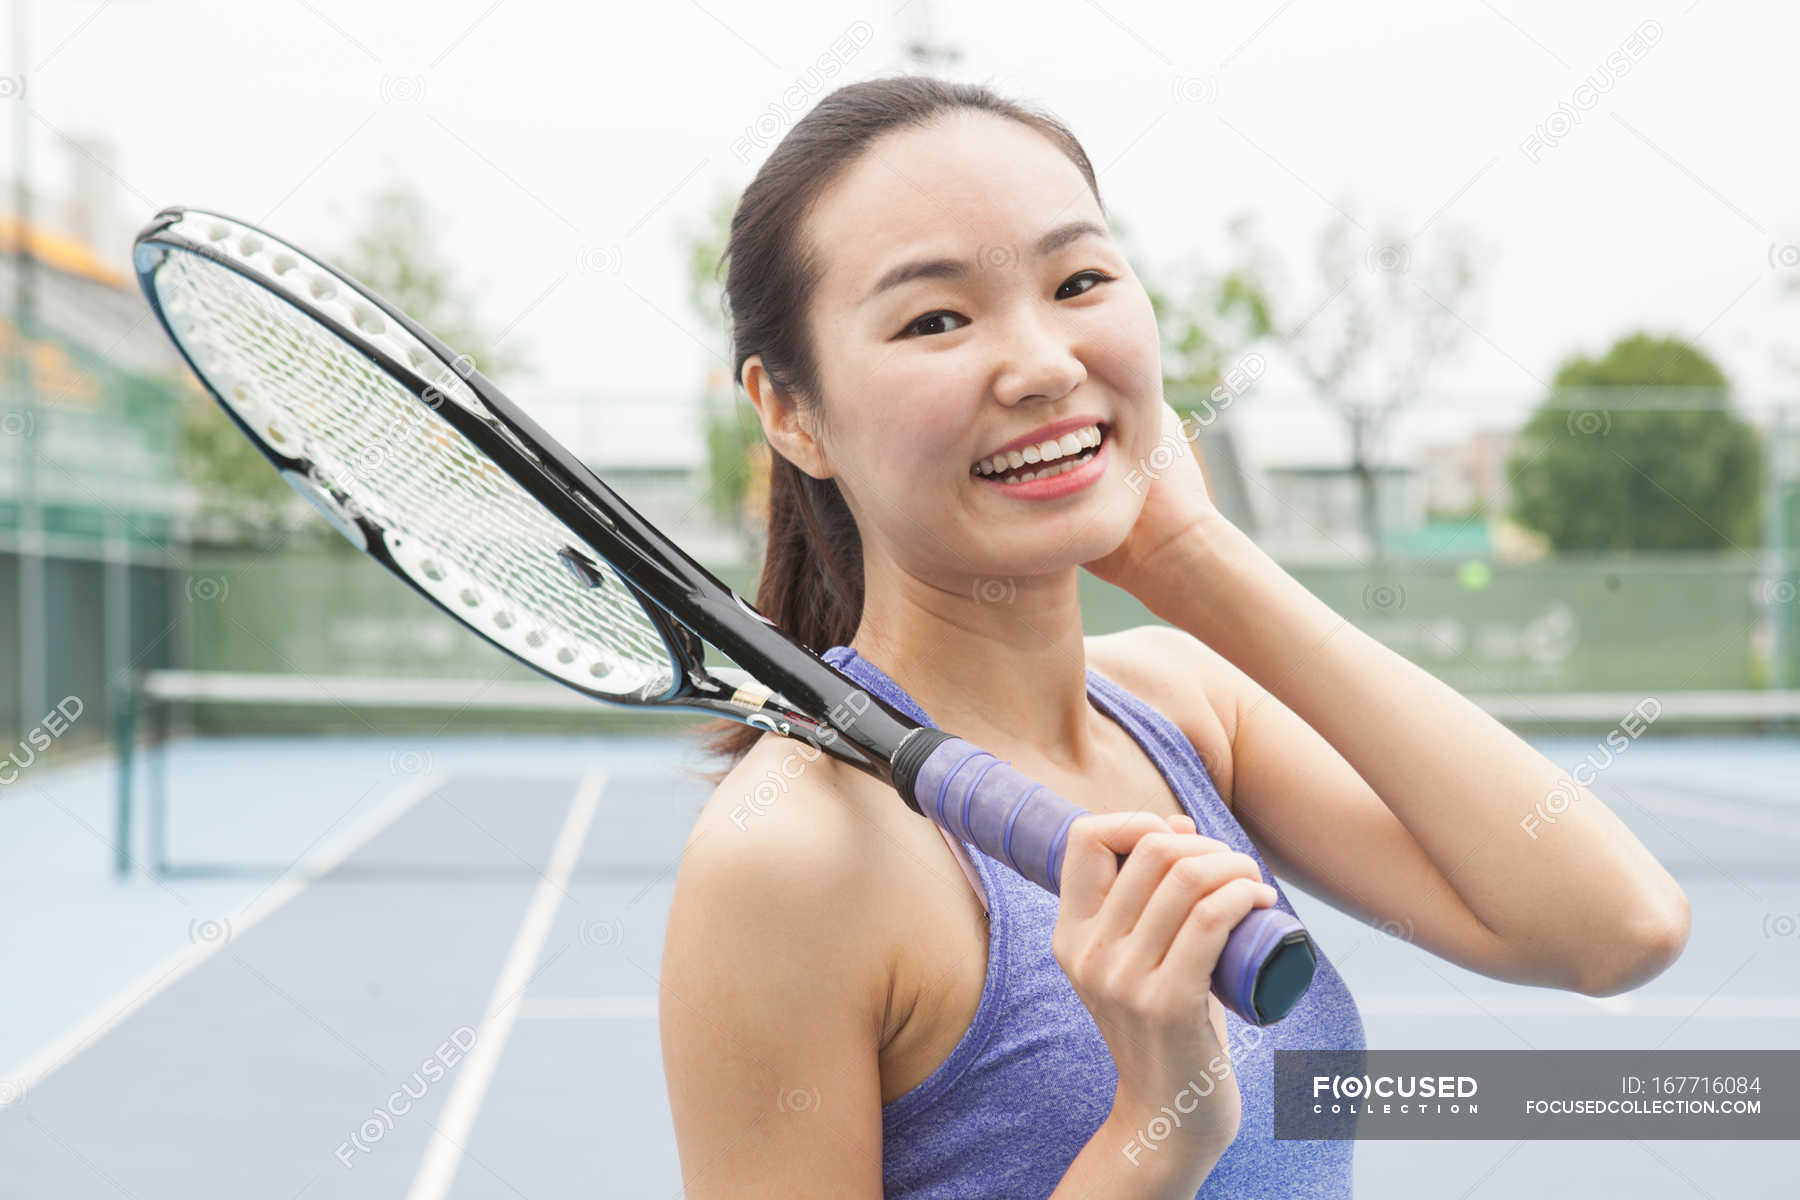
910	757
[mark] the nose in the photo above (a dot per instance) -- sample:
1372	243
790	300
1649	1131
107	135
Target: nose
1037	362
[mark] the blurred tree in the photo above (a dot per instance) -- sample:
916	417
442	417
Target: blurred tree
1210	322
1209	319
1640	450
736	453
395	255
1368	349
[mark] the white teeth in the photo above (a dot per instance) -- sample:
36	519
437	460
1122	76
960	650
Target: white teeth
1044	452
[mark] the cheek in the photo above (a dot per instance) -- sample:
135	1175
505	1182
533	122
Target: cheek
1128	350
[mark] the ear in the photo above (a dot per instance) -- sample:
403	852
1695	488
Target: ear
788	431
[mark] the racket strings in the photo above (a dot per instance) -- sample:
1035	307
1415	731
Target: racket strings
456	523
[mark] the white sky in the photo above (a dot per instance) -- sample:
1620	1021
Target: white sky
554	137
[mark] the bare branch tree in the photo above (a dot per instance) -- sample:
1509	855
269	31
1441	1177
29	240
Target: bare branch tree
1369	347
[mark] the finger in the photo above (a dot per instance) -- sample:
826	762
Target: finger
1185	884
1196	947
1183	824
1149	862
1091	856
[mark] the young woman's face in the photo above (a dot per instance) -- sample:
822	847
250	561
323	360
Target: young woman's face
1026	321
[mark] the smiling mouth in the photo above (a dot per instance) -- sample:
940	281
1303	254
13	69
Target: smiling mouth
1052	457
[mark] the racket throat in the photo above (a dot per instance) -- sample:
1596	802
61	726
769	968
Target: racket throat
583	569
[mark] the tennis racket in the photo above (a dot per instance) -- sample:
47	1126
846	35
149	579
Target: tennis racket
421	463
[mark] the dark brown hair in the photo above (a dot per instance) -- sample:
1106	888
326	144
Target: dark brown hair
812	575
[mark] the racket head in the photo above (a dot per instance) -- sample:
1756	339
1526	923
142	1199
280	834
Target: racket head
393	438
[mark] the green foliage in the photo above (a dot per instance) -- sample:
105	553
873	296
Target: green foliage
1213	319
395	256
1640	450
232	481
732	429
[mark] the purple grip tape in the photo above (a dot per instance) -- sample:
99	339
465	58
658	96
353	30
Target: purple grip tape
1267	960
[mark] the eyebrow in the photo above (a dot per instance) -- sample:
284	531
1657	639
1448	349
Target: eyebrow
951	268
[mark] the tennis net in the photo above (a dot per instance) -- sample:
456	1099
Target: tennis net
238	773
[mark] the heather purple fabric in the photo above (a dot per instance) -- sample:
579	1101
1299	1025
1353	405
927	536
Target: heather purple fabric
1031	1079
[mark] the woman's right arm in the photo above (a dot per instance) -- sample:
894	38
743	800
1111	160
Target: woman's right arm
769	1001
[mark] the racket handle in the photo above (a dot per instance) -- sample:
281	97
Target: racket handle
1268	959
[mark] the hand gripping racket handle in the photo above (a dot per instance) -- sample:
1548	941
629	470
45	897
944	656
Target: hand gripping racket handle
1268	960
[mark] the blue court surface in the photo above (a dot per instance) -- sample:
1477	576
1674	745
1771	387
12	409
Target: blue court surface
415	967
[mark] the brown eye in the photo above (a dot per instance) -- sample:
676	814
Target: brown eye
919	327
1097	277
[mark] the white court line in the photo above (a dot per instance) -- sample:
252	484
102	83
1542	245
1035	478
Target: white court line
1699	1005
443	1154
621	1006
139	991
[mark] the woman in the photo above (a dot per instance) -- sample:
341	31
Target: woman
921	285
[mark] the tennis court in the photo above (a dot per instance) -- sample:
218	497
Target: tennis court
426	966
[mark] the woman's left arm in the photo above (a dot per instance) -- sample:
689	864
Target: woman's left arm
1374	784
1381	788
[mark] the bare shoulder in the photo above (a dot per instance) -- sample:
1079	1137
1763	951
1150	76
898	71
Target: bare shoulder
773	981
787	825
1186	680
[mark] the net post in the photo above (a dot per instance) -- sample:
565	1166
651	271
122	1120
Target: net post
158	713
124	742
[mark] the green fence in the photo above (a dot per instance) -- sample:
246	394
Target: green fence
1673	622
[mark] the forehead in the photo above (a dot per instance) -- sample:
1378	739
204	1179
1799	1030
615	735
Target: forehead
970	180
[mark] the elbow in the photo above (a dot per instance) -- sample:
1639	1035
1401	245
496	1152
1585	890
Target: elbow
1632	960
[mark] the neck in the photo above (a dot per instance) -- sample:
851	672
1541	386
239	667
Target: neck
998	662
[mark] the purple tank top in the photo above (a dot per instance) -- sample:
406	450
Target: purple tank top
1031	1079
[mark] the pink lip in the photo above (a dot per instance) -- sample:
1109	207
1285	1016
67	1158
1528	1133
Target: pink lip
1056	486
1038	437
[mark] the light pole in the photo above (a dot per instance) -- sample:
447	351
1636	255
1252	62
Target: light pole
32	651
